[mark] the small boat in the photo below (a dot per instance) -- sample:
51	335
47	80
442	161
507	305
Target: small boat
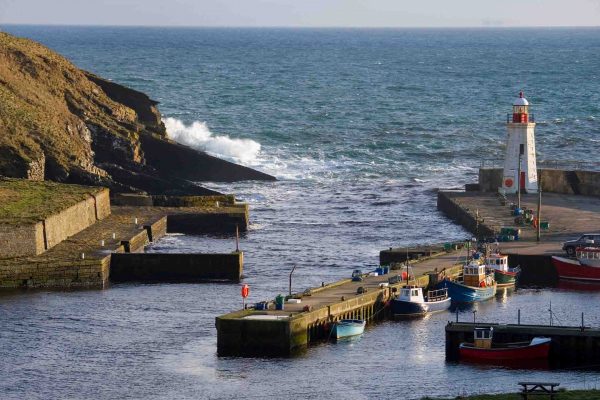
348	327
503	275
484	350
476	284
586	267
411	302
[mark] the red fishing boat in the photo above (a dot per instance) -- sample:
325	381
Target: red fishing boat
586	267
483	350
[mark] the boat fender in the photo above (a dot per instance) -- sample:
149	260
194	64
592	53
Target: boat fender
482	284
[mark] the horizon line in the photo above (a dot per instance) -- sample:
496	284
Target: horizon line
299	26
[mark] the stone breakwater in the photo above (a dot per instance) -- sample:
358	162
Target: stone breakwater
56	235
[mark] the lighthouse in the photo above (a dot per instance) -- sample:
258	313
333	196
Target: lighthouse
519	160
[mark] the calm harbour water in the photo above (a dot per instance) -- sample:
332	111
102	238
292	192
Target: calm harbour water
360	126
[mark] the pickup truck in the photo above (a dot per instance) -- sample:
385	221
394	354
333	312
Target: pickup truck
587	240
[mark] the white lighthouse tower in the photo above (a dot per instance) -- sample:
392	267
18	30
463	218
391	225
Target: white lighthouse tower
519	162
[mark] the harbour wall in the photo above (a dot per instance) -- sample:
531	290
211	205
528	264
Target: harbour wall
571	346
585	183
167	267
462	216
30	239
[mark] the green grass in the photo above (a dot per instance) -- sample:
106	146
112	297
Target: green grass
24	201
563	395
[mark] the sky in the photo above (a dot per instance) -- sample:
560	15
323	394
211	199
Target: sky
304	13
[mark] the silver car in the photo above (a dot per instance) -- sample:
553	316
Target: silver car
587	240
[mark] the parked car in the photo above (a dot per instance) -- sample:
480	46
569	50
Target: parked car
587	240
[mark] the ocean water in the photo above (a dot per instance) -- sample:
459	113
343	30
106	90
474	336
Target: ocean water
360	127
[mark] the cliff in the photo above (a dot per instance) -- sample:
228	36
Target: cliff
60	123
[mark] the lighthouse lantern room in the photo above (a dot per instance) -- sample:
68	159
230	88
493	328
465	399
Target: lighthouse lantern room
519	161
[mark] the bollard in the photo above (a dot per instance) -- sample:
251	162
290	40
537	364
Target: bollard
114	235
519	316
135	221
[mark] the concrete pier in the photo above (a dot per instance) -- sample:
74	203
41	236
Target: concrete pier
271	332
571	346
484	214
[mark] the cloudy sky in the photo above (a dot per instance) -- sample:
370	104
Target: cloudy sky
304	13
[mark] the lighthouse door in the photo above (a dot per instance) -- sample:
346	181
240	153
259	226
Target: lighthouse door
522	180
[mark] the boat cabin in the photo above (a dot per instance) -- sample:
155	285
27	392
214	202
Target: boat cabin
482	337
473	274
413	294
498	262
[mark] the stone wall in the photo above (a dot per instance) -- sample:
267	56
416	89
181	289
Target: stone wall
159	267
54	273
37	237
585	183
21	240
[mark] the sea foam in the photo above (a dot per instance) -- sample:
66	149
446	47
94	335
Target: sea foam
198	136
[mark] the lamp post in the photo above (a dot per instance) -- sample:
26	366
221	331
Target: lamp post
291	272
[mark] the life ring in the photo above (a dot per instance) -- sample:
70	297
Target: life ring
508	182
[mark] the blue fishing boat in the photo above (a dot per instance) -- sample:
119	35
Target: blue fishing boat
348	327
476	284
411	302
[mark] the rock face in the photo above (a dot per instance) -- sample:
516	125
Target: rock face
60	123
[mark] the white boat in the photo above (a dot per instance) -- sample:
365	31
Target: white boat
348	327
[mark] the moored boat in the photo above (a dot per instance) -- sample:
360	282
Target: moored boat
586	267
484	350
411	302
476	284
348	327
503	275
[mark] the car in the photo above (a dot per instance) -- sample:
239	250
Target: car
357	275
587	240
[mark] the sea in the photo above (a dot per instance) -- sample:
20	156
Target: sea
360	127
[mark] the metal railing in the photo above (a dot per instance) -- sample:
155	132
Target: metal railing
566	165
530	118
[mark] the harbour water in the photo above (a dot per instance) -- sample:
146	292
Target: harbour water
360	127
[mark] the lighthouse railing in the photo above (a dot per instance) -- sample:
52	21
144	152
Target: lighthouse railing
509	118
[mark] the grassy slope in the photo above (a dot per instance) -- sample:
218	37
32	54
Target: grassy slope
23	201
44	101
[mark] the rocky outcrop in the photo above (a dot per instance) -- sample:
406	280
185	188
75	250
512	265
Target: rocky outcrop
60	123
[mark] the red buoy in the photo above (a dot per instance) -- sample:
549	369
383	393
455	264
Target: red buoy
245	291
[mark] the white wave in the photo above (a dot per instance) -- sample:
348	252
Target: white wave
198	136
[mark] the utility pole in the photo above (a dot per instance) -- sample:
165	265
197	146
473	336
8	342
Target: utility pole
521	151
539	210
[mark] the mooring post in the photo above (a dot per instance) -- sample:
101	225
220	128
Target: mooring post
582	325
474	312
457	315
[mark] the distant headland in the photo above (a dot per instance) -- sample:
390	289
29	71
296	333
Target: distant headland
64	124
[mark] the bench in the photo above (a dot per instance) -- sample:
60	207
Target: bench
538	388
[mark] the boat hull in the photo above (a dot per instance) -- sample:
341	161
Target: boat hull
540	351
506	278
348	328
573	270
407	309
467	294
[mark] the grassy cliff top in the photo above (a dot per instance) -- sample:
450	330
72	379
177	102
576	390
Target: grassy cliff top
24	202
